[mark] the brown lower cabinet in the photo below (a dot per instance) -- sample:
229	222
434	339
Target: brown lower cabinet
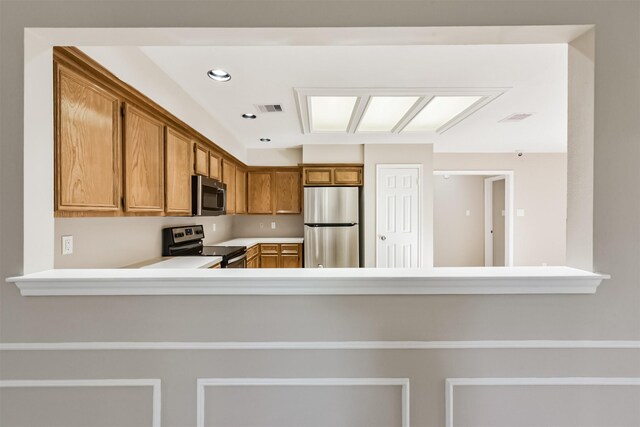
275	255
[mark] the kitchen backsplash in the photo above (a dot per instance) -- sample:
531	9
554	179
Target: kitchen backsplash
260	226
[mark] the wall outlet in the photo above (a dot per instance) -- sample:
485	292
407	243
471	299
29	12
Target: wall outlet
262	225
213	227
520	212
273	225
67	245
468	213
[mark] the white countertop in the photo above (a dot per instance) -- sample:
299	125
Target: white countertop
250	241
186	262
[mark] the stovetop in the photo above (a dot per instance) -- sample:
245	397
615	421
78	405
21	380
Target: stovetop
223	251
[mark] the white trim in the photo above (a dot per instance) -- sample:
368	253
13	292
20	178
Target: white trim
509	189
153	383
347	281
421	236
243	382
450	383
323	345
488	220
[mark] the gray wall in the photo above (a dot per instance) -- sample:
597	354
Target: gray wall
458	239
611	314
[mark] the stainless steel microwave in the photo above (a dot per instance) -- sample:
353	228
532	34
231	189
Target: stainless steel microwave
209	197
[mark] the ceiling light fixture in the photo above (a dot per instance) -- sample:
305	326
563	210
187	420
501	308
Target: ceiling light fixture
265	140
249	116
384	112
219	75
331	113
440	111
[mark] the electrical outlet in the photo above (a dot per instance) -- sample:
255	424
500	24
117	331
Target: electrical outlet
214	227
262	225
468	212
273	225
67	245
520	212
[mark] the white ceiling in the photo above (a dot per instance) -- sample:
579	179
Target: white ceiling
536	75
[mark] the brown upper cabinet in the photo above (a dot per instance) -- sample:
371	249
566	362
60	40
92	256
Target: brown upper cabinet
274	192
259	192
143	154
87	144
328	175
178	167
287	192
229	178
241	191
215	166
200	160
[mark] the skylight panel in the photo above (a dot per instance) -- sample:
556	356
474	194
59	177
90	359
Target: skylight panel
439	111
331	113
384	112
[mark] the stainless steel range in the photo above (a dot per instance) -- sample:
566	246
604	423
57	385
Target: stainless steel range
187	241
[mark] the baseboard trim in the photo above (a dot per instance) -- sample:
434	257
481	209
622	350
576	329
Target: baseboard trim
325	345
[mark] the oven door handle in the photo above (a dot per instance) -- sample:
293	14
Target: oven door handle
231	261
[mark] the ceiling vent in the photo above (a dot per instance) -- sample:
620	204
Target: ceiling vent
269	108
517	117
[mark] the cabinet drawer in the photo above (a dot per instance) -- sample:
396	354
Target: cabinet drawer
289	248
269	248
253	251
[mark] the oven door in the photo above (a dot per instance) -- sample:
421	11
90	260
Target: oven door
237	262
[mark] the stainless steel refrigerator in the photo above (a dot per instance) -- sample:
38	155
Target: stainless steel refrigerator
331	233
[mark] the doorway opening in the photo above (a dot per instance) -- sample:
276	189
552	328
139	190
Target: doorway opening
473	218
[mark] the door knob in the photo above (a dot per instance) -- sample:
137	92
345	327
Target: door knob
383	237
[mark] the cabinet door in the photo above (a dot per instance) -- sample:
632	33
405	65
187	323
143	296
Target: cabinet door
229	178
143	162
178	168
88	145
241	191
347	176
290	256
259	192
200	160
268	261
287	192
214	166
317	176
253	262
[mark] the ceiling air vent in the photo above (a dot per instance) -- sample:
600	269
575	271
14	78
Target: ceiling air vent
517	117
269	108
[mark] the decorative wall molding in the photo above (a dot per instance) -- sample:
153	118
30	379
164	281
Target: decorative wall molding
451	383
324	345
249	382
153	383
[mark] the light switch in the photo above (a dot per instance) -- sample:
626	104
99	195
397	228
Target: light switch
468	212
214	227
67	245
503	212
273	225
520	212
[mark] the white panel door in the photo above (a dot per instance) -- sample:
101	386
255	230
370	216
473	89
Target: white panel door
397	216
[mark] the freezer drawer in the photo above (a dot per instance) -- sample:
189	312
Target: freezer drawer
331	247
331	205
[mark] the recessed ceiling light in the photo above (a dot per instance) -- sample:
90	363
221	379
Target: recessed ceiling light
219	75
331	113
384	112
439	111
265	140
249	116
